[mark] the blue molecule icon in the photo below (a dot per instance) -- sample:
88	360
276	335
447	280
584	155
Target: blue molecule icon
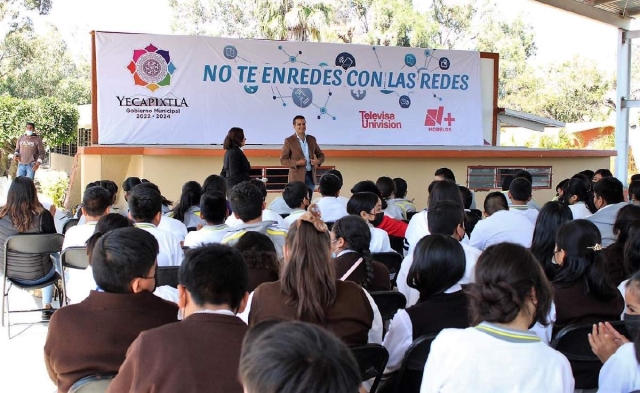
345	60
302	97
427	52
404	102
410	60
230	52
444	63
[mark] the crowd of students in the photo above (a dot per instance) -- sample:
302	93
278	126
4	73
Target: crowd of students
277	295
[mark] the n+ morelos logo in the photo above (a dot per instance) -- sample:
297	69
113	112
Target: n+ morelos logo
435	118
151	67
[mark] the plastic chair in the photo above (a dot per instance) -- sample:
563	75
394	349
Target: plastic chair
97	383
409	377
392	260
372	359
397	243
70	223
167	275
388	302
73	258
34	245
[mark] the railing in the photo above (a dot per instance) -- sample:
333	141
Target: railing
278	177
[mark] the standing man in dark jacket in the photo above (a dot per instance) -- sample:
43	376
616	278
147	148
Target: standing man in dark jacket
29	152
235	168
301	154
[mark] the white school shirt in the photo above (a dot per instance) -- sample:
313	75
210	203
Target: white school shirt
79	282
292	217
489	358
503	226
530	213
267	215
206	235
173	226
77	235
331	208
379	241
417	229
471	256
579	211
621	372
171	253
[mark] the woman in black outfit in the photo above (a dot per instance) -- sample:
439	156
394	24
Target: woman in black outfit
236	167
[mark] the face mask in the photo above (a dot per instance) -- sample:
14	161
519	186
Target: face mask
632	323
376	221
29	132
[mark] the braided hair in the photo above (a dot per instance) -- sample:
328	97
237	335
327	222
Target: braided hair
357	236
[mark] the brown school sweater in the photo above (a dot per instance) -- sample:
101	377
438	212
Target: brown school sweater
199	354
29	149
93	336
380	281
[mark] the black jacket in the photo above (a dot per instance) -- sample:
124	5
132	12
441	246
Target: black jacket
235	168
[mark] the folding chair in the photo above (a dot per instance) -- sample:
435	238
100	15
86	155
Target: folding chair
372	359
97	383
72	258
410	215
397	244
388	302
71	223
167	275
34	246
409	376
392	260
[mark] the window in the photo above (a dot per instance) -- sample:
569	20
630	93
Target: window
277	177
491	177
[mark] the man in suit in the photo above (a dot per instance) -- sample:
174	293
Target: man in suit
201	353
301	154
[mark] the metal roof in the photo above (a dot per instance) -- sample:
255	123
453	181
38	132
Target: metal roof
619	7
618	13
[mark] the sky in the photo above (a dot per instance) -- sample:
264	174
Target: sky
559	35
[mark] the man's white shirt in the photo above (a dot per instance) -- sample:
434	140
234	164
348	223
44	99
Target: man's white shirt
293	216
79	282
332	208
503	226
173	226
171	253
207	235
77	235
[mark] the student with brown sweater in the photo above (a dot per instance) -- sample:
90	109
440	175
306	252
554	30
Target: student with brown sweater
201	353
92	337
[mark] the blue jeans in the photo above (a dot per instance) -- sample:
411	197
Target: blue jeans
308	180
26	170
47	292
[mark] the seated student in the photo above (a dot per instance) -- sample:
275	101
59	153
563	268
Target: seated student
551	217
261	258
520	194
296	357
621	371
145	209
582	292
309	290
368	206
350	240
296	195
177	228
579	198
387	189
390	225
471	217
213	210
80	282
92	337
501	225
247	204
608	199
216	183
525	174
447	174
601	173
445	218
634	192
187	210
267	214
95	205
400	199
206	344
436	273
332	206
614	254
500	354
560	187
106	185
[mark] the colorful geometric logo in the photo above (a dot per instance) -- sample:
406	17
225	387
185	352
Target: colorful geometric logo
151	67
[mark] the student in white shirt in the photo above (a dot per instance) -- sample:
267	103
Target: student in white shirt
525	174
332	206
501	225
387	189
95	204
175	227
267	214
187	210
145	208
500	354
608	199
445	218
579	198
369	206
296	195
520	194
213	210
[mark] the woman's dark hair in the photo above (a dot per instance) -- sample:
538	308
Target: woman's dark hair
357	237
634	190
445	190
153	186
562	184
191	194
368	186
129	183
110	186
603	173
104	225
401	187
215	183
259	253
502	287
577	239
234	138
362	201
386	187
438	264
22	205
580	189
308	279
551	217
626	216
632	250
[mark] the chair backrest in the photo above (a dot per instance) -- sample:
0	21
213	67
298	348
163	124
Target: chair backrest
97	383
192	229
167	275
75	258
37	243
71	223
330	224
372	359
388	302
397	244
410	215
409	377
284	215
393	261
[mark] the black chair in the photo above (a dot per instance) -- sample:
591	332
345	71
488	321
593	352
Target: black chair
372	359
393	261
397	244
71	223
97	383
573	342
192	229
409	377
330	224
73	258
284	215
35	246
388	302
410	215
167	275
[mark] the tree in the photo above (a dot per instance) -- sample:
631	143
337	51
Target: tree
299	20
230	18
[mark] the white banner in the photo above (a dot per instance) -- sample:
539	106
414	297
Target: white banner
186	90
